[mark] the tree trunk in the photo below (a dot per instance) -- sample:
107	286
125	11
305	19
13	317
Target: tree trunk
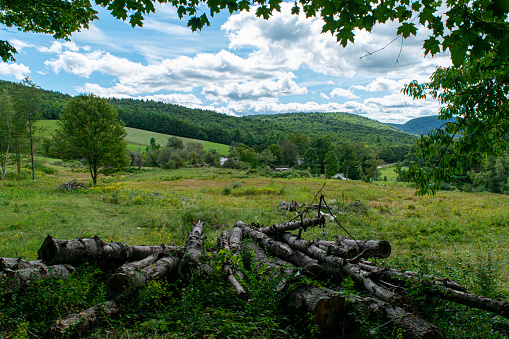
228	271
292	225
131	276
325	305
390	275
354	271
363	248
75	251
413	326
18	161
191	262
282	250
4	169
18	263
25	275
32	146
84	321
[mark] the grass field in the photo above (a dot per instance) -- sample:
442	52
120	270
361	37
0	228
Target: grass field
137	138
462	236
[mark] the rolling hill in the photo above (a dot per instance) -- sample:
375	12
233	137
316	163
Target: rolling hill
253	130
421	125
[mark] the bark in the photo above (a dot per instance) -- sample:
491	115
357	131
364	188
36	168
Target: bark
282	250
228	272
191	262
292	225
413	326
75	251
23	276
390	274
325	305
289	206
4	169
342	252
368	248
132	276
354	271
32	145
496	306
235	239
84	321
18	263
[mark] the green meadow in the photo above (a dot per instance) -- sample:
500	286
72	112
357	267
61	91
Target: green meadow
140	139
462	236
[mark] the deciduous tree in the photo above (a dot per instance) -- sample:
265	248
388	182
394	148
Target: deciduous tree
6	130
89	129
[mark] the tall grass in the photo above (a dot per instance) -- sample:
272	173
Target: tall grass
463	236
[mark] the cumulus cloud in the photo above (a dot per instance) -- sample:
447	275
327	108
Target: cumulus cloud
253	90
345	93
56	47
17	71
264	63
19	44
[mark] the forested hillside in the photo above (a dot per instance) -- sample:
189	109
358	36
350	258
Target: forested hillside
258	130
421	125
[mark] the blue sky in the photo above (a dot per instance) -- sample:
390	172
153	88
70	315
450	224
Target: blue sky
239	65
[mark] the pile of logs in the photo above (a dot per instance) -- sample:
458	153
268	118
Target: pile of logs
72	185
274	246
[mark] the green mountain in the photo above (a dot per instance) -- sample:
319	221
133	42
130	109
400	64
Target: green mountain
253	130
421	125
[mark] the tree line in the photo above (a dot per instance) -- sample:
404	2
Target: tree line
104	151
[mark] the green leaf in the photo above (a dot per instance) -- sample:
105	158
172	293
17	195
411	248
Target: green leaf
407	29
431	45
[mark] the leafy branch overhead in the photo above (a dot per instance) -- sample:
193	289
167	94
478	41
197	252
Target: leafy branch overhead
467	29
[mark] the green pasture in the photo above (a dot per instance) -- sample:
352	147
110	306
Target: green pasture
461	236
137	138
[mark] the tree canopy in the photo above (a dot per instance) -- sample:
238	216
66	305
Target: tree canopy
89	130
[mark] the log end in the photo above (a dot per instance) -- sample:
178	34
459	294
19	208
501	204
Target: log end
49	251
328	312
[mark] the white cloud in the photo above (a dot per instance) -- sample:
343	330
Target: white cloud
57	47
265	62
345	93
19	45
17	71
253	90
169	29
188	100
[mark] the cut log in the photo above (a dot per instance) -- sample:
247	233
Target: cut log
25	275
130	277
289	206
18	263
354	271
414	327
235	239
364	248
124	278
392	275
191	262
342	252
325	305
284	251
83	322
228	271
292	225
372	248
75	251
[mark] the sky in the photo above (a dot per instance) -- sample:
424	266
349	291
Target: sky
240	65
